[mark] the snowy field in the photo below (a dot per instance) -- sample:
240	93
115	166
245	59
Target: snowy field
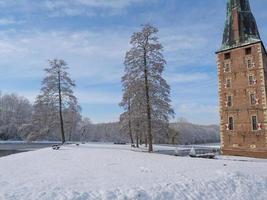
105	171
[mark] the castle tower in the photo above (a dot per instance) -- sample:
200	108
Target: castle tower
242	72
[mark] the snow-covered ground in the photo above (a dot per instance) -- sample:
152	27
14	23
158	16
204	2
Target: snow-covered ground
106	171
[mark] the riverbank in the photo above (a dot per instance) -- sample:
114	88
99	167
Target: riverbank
13	147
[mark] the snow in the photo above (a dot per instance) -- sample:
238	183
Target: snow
106	171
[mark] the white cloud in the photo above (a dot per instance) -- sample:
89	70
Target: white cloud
7	21
188	45
97	56
7	48
84	96
94	57
195	108
180	41
116	4
198	113
98	97
59	8
186	78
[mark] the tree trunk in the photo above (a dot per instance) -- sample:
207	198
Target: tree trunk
83	136
71	129
137	141
60	109
130	124
130	132
141	137
69	136
148	109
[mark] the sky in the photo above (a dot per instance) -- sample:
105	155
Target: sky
92	36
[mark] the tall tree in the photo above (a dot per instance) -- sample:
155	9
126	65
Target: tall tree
144	85
56	97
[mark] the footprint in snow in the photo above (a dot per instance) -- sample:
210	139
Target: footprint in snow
112	164
144	170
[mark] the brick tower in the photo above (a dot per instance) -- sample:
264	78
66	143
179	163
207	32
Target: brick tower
242	72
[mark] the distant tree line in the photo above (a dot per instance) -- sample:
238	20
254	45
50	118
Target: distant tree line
16	115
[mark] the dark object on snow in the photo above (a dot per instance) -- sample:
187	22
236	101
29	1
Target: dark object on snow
77	144
207	155
133	145
121	143
56	147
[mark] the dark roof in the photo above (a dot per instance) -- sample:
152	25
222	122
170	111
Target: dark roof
240	26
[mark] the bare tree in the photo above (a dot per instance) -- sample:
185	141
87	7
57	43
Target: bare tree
56	97
144	85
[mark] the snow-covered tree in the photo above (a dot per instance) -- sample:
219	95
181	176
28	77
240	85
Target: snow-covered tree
56	106
15	111
85	129
143	85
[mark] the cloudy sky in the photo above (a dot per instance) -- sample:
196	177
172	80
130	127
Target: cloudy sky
93	36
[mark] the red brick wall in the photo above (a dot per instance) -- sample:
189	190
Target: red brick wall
243	138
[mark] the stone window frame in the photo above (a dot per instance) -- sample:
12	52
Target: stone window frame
229	64
233	123
254	81
227	102
252	124
226	83
250	65
250	99
257	100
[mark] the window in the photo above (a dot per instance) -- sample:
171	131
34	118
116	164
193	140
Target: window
253	99
231	123
250	63
229	101
251	80
227	56
228	83
248	51
227	67
254	123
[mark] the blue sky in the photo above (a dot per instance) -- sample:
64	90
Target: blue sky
93	36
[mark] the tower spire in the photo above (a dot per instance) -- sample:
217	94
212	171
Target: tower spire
240	26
